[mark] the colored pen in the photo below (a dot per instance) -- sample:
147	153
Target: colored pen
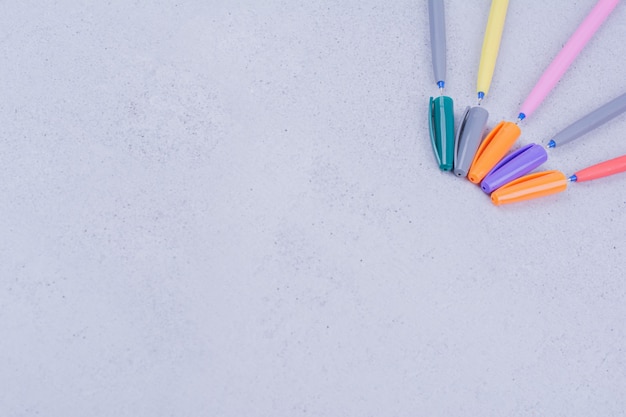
566	56
474	121
492	151
440	110
545	183
594	119
491	46
603	169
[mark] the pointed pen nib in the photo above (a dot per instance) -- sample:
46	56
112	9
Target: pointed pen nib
551	144
481	96
573	178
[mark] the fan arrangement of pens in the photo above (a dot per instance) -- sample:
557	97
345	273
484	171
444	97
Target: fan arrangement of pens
485	161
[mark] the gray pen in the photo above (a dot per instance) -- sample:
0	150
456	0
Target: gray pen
469	135
589	122
438	40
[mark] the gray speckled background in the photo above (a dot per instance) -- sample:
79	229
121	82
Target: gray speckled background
231	208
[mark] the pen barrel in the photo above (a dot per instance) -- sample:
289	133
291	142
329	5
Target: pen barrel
603	169
591	121
568	53
437	20
491	44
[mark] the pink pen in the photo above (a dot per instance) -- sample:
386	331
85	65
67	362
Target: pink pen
603	169
564	59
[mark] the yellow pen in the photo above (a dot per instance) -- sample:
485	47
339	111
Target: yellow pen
469	135
491	46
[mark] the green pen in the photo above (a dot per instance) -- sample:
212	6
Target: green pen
441	109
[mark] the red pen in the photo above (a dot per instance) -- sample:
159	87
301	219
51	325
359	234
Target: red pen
603	169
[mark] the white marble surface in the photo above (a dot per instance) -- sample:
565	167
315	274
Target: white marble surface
231	208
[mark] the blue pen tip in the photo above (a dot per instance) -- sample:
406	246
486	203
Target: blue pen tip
481	95
551	144
521	116
441	84
573	178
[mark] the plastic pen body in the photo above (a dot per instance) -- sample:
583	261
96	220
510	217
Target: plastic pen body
603	169
437	19
491	45
566	56
594	119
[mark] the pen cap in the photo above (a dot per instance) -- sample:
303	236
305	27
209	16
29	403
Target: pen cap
531	186
441	116
492	149
469	134
513	166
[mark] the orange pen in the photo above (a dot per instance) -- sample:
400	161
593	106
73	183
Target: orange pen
491	151
530	186
603	169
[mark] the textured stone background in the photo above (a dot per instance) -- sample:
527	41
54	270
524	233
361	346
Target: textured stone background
231	208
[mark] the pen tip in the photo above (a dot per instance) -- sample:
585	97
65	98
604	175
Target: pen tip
520	117
573	178
551	144
481	95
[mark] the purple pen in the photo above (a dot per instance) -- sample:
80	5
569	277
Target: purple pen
513	166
